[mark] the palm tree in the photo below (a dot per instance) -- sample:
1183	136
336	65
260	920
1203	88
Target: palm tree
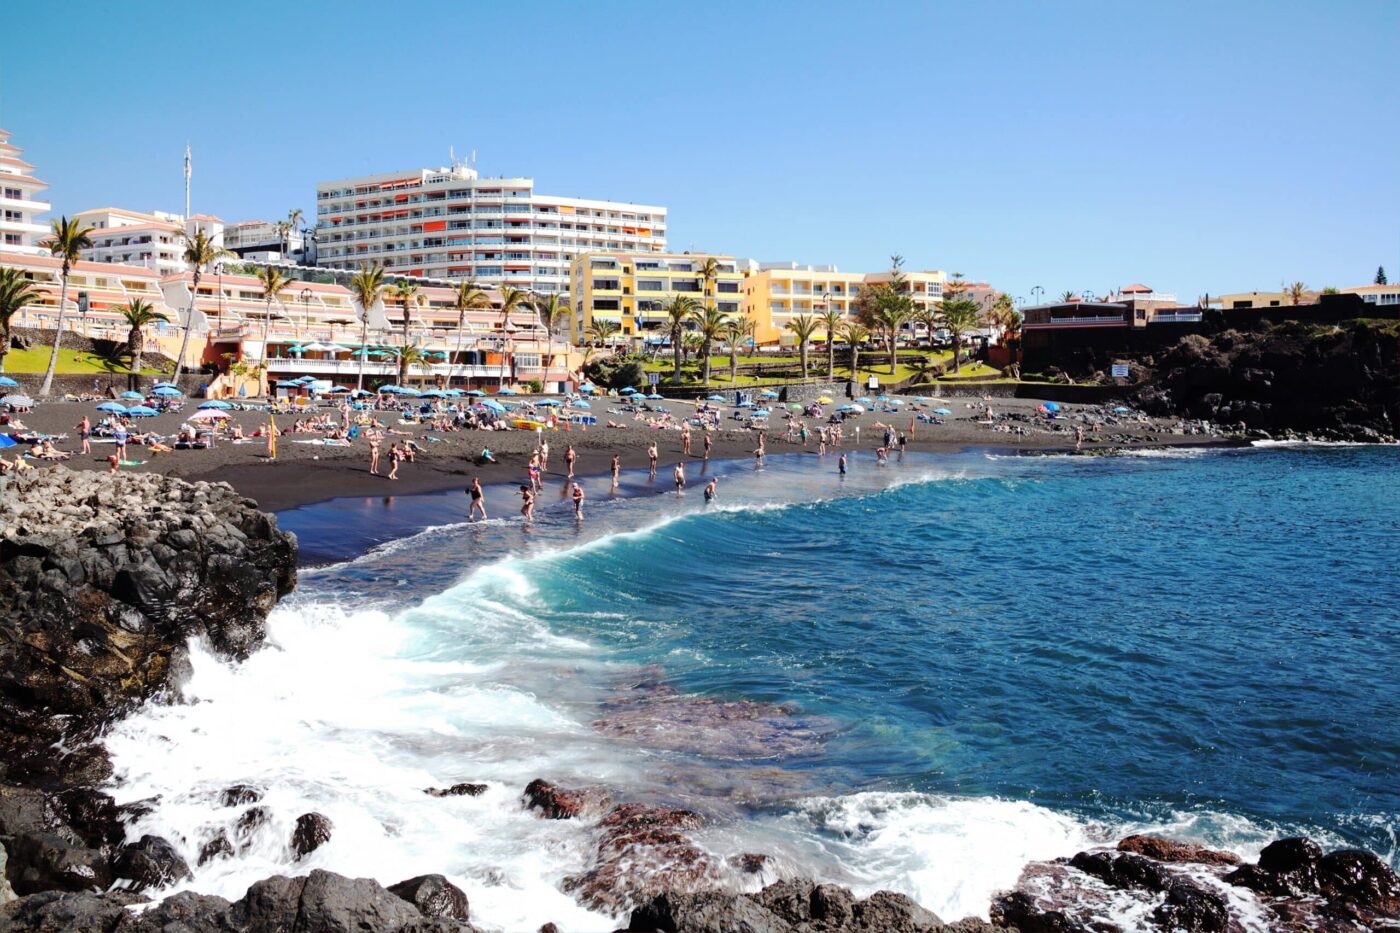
66	241
367	287
710	323
550	312
600	330
929	316
1296	293
406	293
891	313
16	293
274	281
831	321
734	331
293	218
512	300
678	310
138	314
709	273
412	355
1067	297
200	252
959	316
467	297
803	326
856	334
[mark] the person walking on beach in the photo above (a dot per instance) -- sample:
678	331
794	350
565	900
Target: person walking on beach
85	435
708	442
578	502
616	469
1078	436
534	470
685	439
478	499
569	458
544	455
527	503
119	437
680	476
395	458
374	438
821	442
651	458
710	489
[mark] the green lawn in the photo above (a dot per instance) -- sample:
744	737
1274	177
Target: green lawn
873	363
70	362
970	370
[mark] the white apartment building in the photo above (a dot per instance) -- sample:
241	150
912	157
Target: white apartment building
153	240
450	223
20	207
262	241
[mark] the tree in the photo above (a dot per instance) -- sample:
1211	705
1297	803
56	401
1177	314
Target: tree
959	316
892	311
856	335
366	287
412	355
711	324
1296	293
16	294
138	314
468	296
408	294
1067	297
551	311
1380	276
512	300
678	311
803	326
734	332
709	273
600	330
66	241
200	252
293	218
274	281
831	321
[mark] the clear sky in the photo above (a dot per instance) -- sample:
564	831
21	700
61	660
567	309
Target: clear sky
1195	147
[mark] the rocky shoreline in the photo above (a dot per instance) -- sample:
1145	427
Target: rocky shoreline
105	579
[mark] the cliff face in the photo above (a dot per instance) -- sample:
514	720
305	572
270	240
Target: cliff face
1340	382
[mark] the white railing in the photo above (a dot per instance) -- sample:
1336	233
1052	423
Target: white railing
381	368
1176	317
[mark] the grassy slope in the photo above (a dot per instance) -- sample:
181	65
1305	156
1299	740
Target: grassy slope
70	362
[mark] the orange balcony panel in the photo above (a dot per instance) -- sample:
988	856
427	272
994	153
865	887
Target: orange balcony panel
434	226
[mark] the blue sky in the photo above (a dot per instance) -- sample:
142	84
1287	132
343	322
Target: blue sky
1192	146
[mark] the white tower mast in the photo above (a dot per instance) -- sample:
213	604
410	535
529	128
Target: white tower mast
187	182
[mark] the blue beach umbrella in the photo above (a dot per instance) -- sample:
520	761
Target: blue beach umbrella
112	408
337	390
1121	410
1051	406
431	393
167	392
7	441
768	393
762	413
298	350
882	398
493	405
588	388
654	395
714	398
941	411
136	395
362	392
922	398
627	390
896	401
141	411
547	403
8	383
583	405
507	391
215	403
746	404
845	408
864	400
477	393
169	385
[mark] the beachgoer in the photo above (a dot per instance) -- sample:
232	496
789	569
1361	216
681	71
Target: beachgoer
119	436
395	458
478	499
578	502
651	458
710	489
616	469
882	456
534	470
113	463
527	498
708	442
680	476
841	465
85	434
544	455
374	438
685	439
1078	436
569	458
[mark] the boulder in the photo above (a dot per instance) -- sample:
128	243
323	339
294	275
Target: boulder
1359	877
793	906
150	862
1286	868
312	831
67	912
558	803
49	862
218	847
642	851
1169	850
434	896
1123	870
1191	908
705	912
321	901
239	794
1018	910
457	790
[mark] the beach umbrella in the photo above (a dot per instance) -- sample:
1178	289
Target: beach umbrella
896	401
361	392
626	390
7	441
141	411
335	348
768	393
112	407
845	408
507	390
584	405
136	395
493	405
335	390
209	414
8	383
431	393
18	401
714	398
941	411
863	399
438	355
922	398
824	400
475	392
746	404
166	392
654	395
1050	406
588	388
215	403
547	403
1121	410
170	385
795	406
297	350
762	413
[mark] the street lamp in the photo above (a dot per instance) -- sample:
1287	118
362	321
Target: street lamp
1035	291
305	308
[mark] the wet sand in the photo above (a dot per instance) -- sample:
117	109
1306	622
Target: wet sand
305	472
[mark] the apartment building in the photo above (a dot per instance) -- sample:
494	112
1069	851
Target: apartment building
134	238
450	223
263	241
775	292
21	228
632	289
1376	294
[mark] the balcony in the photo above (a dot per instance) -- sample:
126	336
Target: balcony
350	368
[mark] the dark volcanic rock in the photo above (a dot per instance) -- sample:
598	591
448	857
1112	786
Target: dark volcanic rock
1020	911
791	907
218	847
705	912
434	896
1124	870
48	862
253	819
750	863
1169	850
558	803
457	790
1286	868
312	831
239	794
1193	909
321	901
64	912
642	851
151	862
1359	877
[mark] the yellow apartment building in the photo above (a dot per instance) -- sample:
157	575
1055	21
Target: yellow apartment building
775	292
632	289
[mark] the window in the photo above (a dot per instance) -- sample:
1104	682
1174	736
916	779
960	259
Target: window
611	285
650	285
606	304
730	288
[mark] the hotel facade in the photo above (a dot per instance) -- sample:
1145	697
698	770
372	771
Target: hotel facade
776	292
632	289
450	223
21	228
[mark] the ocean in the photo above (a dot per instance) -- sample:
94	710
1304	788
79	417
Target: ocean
918	677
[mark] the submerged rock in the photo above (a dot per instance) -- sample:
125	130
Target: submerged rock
1170	850
457	790
642	851
239	794
218	847
558	803
151	862
312	831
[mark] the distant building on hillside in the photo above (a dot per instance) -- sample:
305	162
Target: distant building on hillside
154	240
1246	300
21	229
263	241
1382	295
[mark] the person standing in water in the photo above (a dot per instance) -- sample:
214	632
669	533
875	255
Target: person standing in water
616	469
708	442
710	489
841	465
478	499
578	502
527	503
680	476
651	458
1078	436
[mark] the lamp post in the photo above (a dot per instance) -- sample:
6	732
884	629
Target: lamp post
1035	291
306	308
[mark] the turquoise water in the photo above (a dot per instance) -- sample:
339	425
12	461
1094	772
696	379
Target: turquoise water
916	677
